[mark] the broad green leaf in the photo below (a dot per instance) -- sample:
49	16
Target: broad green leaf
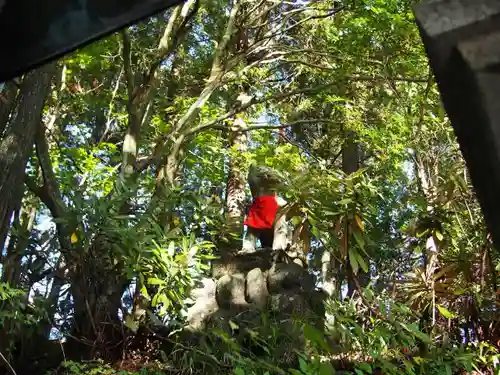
445	312
315	232
144	292
419	360
131	324
415	331
171	248
362	262
359	239
303	365
155	281
353	260
315	336
326	368
365	367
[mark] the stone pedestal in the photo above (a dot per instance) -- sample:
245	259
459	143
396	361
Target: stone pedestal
253	296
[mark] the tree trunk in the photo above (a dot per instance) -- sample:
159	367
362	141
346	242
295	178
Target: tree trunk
350	154
97	289
329	276
350	164
7	103
18	242
235	196
17	144
97	284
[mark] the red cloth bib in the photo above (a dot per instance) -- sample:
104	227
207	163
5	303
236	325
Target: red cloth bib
262	212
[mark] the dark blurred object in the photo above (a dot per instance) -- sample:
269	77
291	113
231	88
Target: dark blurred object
462	41
36	31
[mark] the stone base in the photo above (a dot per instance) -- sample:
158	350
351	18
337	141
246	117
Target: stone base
252	295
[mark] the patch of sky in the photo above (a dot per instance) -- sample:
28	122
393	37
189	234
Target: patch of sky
167	63
201	36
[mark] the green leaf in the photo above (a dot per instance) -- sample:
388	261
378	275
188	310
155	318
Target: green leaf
416	332
359	239
459	291
171	248
353	260
239	371
419	360
154	319
155	281
315	232
439	235
154	301
303	365
131	324
362	262
331	213
145	293
365	367
445	312
315	336
326	368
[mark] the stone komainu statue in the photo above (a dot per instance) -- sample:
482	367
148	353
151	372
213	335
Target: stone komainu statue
261	219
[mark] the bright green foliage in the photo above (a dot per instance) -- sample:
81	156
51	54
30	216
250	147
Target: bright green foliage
172	271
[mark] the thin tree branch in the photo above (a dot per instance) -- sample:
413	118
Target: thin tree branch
110	106
126	55
272	127
171	40
253	101
161	143
140	98
8	364
214	80
49	193
222	45
359	77
258	6
287	29
33	187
